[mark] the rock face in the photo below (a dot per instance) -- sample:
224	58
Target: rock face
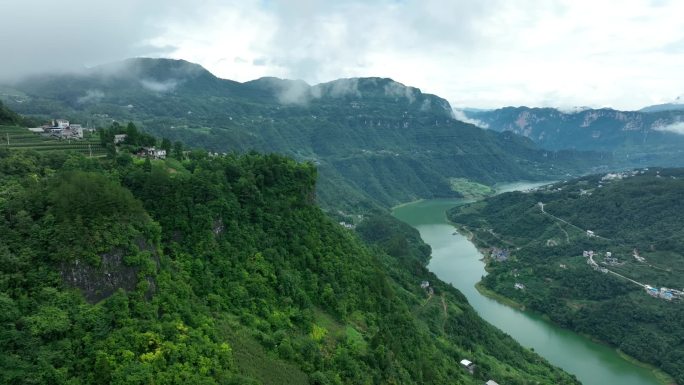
655	138
99	282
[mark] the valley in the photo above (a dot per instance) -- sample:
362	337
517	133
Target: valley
600	255
341	192
457	261
375	142
362	145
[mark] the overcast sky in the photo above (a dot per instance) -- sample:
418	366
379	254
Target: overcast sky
481	53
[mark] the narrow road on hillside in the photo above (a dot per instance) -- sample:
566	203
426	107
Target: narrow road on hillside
541	207
595	265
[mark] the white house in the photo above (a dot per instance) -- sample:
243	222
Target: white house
491	382
153	153
119	138
468	365
71	132
60	123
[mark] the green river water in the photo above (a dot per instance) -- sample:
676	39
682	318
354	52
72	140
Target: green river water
456	260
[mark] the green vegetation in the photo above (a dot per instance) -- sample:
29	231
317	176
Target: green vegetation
469	189
9	117
20	138
221	270
633	214
375	142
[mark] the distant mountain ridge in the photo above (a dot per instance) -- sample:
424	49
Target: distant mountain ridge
664	107
373	139
633	137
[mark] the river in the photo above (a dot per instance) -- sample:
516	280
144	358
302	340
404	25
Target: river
456	260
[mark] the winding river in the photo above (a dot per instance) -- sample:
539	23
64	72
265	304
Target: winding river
456	260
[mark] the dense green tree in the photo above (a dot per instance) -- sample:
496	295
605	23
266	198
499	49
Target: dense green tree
220	271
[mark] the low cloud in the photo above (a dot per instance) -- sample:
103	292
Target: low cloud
398	90
460	115
337	89
677	128
161	87
571	110
293	92
39	36
91	96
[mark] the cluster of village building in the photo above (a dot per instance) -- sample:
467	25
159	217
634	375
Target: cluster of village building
663	292
144	152
589	254
499	255
61	129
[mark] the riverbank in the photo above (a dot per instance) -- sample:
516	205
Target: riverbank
406	204
498	297
662	377
456	261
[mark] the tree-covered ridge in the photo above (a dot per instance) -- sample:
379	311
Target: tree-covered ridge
634	216
8	117
237	278
373	139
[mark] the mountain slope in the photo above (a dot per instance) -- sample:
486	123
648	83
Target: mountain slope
633	137
220	271
8	117
374	140
635	217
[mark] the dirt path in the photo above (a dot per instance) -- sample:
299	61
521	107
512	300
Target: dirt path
567	236
541	207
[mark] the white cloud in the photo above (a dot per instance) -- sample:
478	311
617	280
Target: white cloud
476	53
460	115
91	96
677	128
157	86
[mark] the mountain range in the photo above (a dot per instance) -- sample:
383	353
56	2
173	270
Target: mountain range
652	136
373	139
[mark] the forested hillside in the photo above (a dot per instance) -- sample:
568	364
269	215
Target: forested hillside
376	142
630	224
8	117
220	271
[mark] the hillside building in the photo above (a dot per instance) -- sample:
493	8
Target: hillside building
152	152
119	138
468	365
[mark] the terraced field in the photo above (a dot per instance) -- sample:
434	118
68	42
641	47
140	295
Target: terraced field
21	138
